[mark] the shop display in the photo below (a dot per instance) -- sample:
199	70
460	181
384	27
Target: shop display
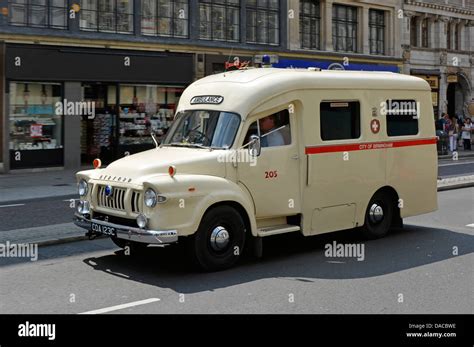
33	122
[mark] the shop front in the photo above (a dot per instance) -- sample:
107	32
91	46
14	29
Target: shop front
67	106
433	79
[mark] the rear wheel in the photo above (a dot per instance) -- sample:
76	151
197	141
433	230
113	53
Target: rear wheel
378	217
220	239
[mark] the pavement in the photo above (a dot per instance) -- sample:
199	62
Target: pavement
37	206
424	268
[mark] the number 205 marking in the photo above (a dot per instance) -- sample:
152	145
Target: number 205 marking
271	174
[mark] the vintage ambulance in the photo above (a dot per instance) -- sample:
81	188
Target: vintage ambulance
259	152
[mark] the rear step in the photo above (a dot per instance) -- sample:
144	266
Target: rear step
277	229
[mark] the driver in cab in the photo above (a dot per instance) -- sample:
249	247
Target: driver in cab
274	137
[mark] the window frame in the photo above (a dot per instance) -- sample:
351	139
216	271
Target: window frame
115	12
227	6
48	8
349	24
425	37
156	17
258	10
378	14
357	101
314	19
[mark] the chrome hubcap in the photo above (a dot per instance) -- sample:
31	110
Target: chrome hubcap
219	238
376	213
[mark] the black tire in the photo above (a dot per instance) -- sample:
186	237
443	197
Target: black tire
374	228
206	252
135	247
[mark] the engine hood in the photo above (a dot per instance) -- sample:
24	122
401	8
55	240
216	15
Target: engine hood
141	166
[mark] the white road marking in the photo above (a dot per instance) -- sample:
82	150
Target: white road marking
13	205
71	199
470	225
453	164
120	307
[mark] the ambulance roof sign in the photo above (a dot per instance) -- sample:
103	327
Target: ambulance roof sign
207	99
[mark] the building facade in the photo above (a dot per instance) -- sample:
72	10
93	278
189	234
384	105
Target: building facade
438	45
131	59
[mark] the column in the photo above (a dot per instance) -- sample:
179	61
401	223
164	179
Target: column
326	36
294	24
364	46
72	128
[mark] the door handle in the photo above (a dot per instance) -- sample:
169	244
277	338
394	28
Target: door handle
295	156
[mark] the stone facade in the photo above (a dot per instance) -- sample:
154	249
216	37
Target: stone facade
437	39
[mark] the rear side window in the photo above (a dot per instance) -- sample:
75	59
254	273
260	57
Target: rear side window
402	117
340	120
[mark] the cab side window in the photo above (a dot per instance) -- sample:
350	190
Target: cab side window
339	120
274	129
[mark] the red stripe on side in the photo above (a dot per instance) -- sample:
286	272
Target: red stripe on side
368	146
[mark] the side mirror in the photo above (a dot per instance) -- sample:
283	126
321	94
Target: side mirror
254	146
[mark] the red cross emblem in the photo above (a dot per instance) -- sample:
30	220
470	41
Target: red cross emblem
375	126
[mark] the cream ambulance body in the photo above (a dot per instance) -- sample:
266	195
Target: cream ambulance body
345	163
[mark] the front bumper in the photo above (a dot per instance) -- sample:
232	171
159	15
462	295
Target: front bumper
130	233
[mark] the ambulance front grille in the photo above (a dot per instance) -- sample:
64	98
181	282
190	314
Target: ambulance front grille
137	202
116	201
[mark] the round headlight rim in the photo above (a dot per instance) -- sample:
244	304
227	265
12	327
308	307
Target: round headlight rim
82	186
154	197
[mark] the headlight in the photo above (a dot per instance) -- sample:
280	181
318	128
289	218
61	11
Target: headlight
150	198
142	221
82	188
83	207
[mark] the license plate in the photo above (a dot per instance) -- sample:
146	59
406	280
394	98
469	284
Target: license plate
102	229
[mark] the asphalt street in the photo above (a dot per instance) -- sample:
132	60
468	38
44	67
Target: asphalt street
450	167
427	267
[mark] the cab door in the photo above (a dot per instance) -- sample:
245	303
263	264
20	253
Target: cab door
273	177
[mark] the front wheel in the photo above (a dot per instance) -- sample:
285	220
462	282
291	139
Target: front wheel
219	240
378	217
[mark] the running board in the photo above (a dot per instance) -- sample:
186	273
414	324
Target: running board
277	229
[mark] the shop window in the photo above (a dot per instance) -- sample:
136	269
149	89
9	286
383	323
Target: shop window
402	117
263	18
38	13
144	109
377	31
344	28
114	16
219	20
36	137
310	24
340	120
98	135
165	18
